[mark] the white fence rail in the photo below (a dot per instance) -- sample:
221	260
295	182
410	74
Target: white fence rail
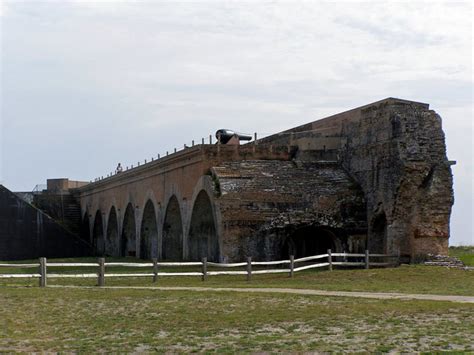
331	259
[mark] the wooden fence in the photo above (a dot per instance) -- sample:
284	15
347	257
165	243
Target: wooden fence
154	267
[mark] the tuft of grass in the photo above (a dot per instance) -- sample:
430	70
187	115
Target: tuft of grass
464	253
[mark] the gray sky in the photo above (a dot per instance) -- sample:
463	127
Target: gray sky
87	84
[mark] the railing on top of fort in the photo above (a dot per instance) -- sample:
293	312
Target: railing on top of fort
329	260
39	188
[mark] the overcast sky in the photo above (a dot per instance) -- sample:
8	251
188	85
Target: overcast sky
86	85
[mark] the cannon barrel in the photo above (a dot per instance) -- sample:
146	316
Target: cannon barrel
224	135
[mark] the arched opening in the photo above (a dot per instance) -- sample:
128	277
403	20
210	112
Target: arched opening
378	235
112	238
309	241
129	234
172	243
149	233
85	229
203	240
98	234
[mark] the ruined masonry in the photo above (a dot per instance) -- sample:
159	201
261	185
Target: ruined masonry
375	177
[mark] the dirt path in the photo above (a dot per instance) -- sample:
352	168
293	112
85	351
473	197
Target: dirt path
376	295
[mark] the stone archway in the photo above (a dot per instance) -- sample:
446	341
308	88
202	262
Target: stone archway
203	240
149	233
309	241
98	234
112	236
129	233
172	242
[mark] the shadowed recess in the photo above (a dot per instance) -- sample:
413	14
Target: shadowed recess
129	233
112	239
309	241
98	234
149	233
203	240
378	235
172	247
85	228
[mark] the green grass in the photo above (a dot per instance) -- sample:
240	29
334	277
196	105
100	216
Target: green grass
465	253
105	320
406	279
92	320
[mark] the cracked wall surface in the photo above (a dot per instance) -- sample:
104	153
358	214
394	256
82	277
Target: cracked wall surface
374	177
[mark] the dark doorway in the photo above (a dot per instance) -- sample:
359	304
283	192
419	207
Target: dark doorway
98	234
378	235
149	233
128	240
309	241
85	229
203	240
172	244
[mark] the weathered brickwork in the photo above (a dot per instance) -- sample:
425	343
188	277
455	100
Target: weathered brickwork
263	202
374	177
395	150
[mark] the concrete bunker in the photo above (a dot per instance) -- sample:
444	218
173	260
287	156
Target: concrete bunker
172	242
112	236
98	241
203	240
129	232
149	233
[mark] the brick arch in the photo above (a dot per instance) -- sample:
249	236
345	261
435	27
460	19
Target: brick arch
204	211
149	197
203	240
172	231
98	239
310	240
149	232
128	236
112	240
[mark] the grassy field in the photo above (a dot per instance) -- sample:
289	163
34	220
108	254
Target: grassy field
33	319
465	253
406	278
104	320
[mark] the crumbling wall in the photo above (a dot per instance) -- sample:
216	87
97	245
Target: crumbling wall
395	150
262	203
397	153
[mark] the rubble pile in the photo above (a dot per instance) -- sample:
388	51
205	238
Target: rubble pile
443	260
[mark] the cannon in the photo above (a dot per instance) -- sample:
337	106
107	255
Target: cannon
225	135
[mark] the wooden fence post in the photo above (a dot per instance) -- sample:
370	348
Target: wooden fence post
249	268
155	269
330	259
43	273
101	273
204	269
366	259
292	265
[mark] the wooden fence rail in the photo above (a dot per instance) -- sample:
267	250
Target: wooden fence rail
330	260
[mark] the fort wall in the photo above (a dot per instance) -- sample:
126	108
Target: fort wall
373	177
